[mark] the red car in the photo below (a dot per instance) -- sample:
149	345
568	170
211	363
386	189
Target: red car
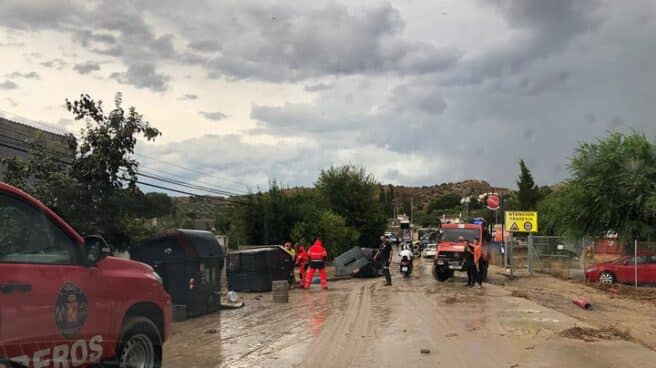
64	302
622	270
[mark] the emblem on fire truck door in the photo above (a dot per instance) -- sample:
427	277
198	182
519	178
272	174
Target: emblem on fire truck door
71	310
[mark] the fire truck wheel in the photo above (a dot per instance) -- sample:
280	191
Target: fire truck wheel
140	345
440	274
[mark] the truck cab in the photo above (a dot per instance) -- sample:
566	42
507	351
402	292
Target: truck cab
451	247
65	302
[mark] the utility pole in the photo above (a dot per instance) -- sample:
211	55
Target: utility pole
412	209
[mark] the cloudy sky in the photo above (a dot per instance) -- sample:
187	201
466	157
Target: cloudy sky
418	92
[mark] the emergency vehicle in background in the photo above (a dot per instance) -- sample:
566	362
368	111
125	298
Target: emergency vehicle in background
65	302
451	247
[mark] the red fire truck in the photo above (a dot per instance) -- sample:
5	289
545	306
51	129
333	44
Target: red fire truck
451	247
65	302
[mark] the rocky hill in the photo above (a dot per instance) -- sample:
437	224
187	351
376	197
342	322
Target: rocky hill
424	195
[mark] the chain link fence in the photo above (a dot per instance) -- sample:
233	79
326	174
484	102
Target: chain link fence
623	262
557	256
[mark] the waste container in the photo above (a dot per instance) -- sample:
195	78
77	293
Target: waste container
256	269
190	263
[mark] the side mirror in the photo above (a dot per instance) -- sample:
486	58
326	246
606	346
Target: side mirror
97	249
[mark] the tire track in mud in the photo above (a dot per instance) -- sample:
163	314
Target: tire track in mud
346	334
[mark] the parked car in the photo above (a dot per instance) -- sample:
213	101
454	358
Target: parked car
622	270
393	239
428	238
65	299
430	251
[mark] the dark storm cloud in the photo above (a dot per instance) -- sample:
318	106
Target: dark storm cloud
214	116
142	76
300	44
534	82
87	37
545	28
30	75
35	14
304	119
163	46
204	45
426	99
188	97
258	41
8	85
113	28
551	74
87	67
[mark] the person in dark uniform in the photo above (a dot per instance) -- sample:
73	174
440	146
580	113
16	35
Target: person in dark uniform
469	265
384	256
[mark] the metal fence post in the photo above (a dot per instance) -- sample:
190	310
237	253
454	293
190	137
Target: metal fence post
510	256
635	262
530	254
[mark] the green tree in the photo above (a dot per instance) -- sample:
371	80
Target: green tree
91	192
613	188
444	202
351	192
336	235
528	194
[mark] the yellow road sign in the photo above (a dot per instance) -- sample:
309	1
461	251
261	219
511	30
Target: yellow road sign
522	221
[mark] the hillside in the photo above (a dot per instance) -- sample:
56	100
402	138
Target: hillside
205	207
426	194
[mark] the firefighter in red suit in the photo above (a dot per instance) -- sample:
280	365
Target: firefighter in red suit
318	256
301	260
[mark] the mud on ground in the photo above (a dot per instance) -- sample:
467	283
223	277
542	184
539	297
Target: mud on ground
417	322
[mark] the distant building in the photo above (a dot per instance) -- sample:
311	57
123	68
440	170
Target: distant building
15	139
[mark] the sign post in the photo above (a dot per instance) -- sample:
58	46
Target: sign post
520	222
635	262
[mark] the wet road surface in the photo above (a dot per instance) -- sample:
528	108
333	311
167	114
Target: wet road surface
361	323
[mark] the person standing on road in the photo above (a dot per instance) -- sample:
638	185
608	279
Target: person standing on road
301	261
483	263
469	265
318	257
478	262
288	247
384	257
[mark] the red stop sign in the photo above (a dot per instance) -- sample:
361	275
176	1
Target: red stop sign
493	202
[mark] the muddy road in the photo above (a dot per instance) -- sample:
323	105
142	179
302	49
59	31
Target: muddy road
361	323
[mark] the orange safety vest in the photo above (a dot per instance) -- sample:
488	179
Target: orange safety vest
478	251
317	252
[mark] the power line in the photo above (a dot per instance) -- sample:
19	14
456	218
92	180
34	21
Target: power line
146	174
187	193
227	189
28	139
165	180
184	184
189	169
30	122
22	142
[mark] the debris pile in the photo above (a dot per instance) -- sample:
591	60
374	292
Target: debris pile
593	334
